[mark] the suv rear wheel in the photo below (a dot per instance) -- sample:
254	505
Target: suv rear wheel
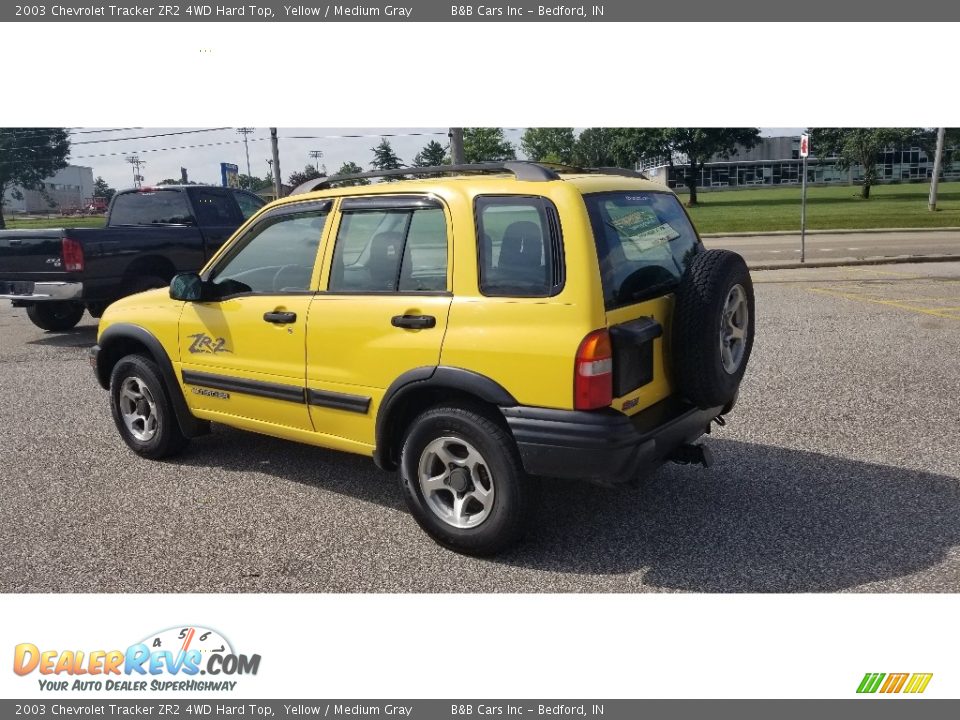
142	410
463	480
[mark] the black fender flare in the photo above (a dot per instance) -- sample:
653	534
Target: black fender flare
189	425
431	378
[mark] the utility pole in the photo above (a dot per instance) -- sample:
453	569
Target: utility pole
246	131
136	162
315	156
456	146
275	164
937	160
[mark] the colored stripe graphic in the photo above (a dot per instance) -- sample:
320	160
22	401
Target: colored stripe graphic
894	683
918	683
870	682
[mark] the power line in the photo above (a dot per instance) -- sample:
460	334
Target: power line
136	162
124	139
246	131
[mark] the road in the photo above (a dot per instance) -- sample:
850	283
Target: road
771	249
838	471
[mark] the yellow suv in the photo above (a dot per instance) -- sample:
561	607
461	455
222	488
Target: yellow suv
474	328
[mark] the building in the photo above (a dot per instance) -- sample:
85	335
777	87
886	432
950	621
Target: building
70	189
776	161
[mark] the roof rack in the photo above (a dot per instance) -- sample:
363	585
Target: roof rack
521	170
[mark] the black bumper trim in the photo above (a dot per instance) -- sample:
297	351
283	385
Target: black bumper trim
604	446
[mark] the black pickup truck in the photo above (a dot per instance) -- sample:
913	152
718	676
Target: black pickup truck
151	235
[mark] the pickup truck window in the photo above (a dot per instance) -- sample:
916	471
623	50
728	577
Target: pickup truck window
275	257
248	204
215	208
157	207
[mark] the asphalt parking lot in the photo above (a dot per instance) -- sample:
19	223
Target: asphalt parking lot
839	471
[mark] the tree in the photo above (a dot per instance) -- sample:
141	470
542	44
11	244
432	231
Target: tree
595	147
102	189
253	183
28	156
486	145
690	148
432	154
857	146
351	168
549	144
310	172
384	158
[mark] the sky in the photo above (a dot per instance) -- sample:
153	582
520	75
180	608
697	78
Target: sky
201	150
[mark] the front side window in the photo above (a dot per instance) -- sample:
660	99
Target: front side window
402	250
519	246
644	243
276	256
249	204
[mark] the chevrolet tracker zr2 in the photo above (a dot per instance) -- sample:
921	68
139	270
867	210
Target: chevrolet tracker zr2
473	329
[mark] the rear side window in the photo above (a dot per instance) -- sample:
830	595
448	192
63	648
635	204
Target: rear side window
215	208
160	207
402	250
520	248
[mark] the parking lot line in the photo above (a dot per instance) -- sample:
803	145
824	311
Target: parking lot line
936	312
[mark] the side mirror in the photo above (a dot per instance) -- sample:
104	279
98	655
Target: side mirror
187	287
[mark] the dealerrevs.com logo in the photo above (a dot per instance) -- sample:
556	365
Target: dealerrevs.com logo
172	659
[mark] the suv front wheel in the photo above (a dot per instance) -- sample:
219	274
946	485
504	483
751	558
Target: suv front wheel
142	410
463	480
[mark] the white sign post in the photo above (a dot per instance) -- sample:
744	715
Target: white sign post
804	152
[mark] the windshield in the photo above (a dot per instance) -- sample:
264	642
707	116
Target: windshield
644	242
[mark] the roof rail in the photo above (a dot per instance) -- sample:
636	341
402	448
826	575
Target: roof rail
605	170
521	169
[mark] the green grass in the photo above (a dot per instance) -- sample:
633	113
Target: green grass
15	223
889	206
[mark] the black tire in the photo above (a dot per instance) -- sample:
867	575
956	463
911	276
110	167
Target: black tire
55	316
698	360
167	439
503	471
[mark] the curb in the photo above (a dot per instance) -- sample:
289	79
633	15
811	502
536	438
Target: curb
838	231
897	260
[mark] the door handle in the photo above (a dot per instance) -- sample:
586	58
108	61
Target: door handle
414	322
281	318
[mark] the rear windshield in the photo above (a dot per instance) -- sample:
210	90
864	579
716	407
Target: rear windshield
160	207
644	242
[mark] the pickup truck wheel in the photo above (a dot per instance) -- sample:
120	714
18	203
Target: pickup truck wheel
55	316
142	410
713	327
463	481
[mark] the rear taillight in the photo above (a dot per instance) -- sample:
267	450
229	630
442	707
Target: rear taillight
593	372
72	255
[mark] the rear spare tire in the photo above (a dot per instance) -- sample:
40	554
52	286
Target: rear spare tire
713	325
55	316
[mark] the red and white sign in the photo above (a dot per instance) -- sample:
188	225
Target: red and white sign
804	146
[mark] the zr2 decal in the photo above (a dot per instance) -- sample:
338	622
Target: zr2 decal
203	343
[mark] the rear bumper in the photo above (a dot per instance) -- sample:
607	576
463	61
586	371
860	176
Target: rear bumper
19	290
604	446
